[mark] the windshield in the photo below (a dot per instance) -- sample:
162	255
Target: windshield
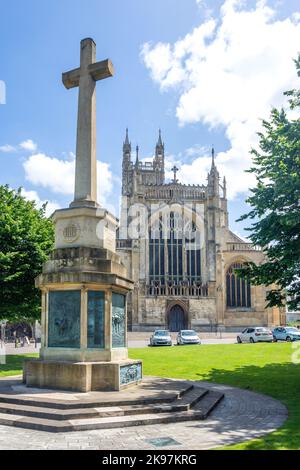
262	330
189	333
293	329
162	333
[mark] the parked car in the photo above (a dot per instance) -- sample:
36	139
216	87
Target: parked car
161	338
188	337
255	335
287	333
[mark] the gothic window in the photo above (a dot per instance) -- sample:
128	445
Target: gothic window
156	253
193	254
238	290
173	258
174	245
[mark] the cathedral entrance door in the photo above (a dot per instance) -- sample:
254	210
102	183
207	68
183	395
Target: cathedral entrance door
177	319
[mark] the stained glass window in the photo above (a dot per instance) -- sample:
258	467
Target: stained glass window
172	257
238	290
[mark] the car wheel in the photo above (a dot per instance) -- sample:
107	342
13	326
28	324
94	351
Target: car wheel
239	340
251	340
289	339
274	339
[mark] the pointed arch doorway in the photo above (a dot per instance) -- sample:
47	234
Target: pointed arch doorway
177	318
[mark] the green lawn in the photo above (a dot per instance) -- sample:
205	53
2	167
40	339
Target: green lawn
13	364
265	368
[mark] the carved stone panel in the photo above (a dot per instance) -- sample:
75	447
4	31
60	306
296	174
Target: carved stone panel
64	319
118	321
96	318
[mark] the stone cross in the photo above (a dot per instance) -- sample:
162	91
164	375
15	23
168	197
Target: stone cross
175	169
85	77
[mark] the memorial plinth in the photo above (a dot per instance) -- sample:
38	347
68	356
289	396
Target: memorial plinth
84	284
84	327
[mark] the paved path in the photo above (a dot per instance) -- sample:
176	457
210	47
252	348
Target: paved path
241	416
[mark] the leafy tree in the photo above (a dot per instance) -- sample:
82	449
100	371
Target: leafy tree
275	204
26	239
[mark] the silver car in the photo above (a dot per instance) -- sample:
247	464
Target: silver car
161	338
287	333
188	337
256	334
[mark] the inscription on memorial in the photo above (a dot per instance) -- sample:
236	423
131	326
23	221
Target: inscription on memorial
64	319
118	321
130	373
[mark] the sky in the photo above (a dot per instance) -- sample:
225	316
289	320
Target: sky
204	71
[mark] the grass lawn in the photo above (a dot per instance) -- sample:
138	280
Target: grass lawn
265	368
14	364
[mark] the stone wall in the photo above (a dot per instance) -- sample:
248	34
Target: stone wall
152	312
202	312
236	320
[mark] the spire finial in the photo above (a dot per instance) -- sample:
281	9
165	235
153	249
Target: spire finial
159	143
224	188
126	138
212	156
137	155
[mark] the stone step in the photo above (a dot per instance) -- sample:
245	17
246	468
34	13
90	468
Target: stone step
184	403
202	409
208	403
95	423
90	403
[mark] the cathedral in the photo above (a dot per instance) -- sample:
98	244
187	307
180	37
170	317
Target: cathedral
176	244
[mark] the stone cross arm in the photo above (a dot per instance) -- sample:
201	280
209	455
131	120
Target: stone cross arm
97	70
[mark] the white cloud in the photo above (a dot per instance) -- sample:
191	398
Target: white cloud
28	145
52	173
33	196
229	72
196	150
58	175
7	148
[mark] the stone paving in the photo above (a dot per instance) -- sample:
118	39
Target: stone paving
241	416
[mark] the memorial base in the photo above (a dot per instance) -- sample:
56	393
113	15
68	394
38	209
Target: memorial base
82	376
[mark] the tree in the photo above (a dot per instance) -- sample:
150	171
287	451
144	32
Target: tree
26	240
275	203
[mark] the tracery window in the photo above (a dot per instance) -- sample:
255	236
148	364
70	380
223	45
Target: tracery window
238	290
174	258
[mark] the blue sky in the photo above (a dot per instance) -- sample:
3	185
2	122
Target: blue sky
203	71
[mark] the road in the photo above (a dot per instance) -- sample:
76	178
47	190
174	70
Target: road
141	339
136	340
